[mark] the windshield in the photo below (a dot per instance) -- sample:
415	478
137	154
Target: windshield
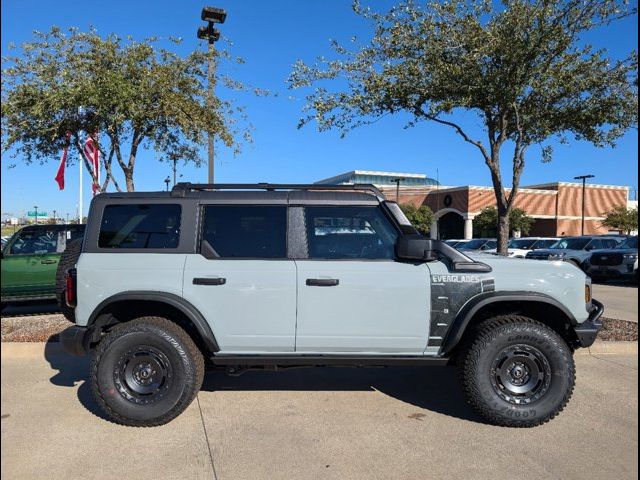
631	242
524	244
472	244
544	243
575	243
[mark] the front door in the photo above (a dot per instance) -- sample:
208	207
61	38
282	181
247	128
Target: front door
29	263
353	297
242	282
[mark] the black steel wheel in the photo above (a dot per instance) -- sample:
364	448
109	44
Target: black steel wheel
517	372
146	372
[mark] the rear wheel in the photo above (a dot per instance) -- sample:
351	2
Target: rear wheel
146	372
517	372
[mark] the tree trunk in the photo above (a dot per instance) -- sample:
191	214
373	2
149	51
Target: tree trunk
503	230
128	176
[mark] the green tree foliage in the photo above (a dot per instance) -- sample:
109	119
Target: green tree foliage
421	218
126	94
521	66
622	219
486	222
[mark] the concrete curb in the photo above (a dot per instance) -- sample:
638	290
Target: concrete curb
604	348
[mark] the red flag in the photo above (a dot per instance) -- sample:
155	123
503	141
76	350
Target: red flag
63	164
93	154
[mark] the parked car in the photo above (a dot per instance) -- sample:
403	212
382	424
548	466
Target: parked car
305	276
519	247
4	240
575	250
478	245
30	259
618	262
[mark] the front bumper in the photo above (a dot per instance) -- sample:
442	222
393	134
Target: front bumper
76	340
610	271
587	331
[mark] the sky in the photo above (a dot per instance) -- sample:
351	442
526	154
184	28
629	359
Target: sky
271	36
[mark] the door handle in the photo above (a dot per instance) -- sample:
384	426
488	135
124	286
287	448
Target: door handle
47	262
209	281
322	282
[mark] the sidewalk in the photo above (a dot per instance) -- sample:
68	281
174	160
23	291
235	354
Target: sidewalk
408	423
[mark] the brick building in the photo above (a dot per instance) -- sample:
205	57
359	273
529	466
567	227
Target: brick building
556	207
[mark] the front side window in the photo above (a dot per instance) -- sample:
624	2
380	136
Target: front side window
140	226
349	233
36	242
246	231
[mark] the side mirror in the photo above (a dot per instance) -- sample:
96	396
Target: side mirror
416	248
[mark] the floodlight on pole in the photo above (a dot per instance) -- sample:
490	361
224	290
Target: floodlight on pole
211	15
584	187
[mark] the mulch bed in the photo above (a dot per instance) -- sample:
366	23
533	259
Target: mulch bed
40	328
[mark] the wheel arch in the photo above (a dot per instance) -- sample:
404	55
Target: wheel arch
126	306
538	306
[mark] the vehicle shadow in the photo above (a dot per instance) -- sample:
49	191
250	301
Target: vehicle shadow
71	370
430	388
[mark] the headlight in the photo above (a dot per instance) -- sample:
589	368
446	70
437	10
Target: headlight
630	256
557	256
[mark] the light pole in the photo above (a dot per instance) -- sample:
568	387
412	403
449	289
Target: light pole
397	182
36	209
55	220
167	181
211	15
584	188
67	222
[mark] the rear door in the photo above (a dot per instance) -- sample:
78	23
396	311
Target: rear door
242	281
353	296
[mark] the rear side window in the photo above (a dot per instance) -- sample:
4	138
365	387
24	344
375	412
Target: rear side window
140	226
246	231
349	233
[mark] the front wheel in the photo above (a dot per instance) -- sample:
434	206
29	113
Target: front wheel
146	372
517	372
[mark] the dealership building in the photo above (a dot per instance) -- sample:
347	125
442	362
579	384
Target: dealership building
555	207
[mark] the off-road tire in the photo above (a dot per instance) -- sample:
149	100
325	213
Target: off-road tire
482	387
68	260
172	345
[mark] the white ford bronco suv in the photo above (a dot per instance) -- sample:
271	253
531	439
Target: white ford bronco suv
273	276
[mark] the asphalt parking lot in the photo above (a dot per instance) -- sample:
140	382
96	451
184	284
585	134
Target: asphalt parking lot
407	423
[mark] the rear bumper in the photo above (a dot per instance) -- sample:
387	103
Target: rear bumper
588	330
76	340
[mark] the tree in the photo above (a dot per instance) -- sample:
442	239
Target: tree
622	219
486	222
119	92
421	217
521	66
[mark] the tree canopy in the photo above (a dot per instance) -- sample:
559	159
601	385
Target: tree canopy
521	66
485	224
622	219
421	217
124	93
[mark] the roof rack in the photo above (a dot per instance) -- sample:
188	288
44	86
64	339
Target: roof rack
181	189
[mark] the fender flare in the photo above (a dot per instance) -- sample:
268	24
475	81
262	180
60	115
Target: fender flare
179	303
473	306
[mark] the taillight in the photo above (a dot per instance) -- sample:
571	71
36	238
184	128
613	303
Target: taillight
70	291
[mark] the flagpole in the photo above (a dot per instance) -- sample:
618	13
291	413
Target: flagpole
80	192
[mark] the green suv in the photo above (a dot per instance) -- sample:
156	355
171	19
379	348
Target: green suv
30	260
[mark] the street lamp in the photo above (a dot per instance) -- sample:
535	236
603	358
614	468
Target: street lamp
36	209
584	187
67	222
211	15
55	220
167	181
